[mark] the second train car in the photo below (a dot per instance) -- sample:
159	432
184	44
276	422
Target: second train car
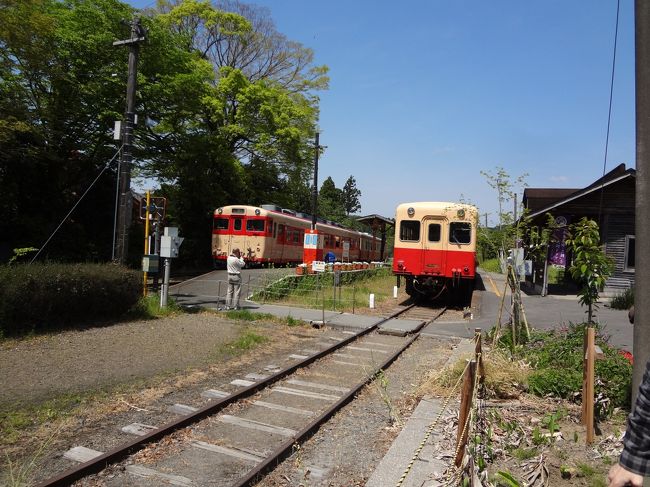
270	234
435	248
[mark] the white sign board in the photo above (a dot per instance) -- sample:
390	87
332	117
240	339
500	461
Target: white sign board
317	266
346	250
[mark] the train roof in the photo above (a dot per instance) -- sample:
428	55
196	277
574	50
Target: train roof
285	214
436	207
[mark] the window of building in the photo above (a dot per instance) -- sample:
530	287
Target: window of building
460	232
629	253
434	232
409	231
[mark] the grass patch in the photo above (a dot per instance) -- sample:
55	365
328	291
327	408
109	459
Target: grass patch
318	290
556	357
249	316
624	300
522	454
504	378
491	265
148	308
248	341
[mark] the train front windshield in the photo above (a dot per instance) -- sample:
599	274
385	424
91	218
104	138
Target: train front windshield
221	224
460	232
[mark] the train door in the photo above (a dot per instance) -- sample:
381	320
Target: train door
434	245
280	242
238	235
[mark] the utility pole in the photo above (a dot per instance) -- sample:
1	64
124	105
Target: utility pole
124	192
642	220
314	191
514	199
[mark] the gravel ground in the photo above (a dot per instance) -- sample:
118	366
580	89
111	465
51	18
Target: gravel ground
132	372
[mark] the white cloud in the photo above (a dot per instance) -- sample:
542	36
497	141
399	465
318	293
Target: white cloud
559	179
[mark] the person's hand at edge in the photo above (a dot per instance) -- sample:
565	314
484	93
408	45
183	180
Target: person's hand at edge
619	476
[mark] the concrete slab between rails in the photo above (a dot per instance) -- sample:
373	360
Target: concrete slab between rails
427	466
400	327
303	314
348	320
455	329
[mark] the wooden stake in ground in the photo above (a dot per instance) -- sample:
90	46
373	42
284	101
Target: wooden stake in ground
588	384
463	415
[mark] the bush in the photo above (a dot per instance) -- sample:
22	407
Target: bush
625	300
491	265
557	359
39	296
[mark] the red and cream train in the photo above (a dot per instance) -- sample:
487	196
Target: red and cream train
270	234
435	248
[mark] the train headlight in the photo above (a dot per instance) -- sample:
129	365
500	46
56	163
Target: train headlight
220	210
257	211
460	213
465	269
411	211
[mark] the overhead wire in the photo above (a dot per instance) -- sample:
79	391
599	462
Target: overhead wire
106	166
609	113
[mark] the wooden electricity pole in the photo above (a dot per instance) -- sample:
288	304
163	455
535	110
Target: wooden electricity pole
124	191
314	191
642	219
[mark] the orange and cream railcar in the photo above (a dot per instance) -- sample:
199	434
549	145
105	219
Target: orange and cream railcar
270	234
435	248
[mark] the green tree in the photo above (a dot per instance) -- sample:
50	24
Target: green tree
58	101
351	196
330	201
590	266
245	135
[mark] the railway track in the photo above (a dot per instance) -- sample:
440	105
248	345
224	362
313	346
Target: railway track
236	438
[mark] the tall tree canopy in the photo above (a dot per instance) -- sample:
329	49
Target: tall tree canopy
225	104
351	196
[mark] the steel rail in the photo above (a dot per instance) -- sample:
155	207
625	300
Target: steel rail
102	461
279	453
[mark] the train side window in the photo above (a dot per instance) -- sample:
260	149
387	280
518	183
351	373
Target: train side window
337	243
460	232
434	232
275	230
237	224
255	225
221	223
409	231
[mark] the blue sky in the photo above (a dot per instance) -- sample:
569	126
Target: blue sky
426	94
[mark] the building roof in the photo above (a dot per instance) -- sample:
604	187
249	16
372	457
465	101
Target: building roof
537	198
617	174
375	221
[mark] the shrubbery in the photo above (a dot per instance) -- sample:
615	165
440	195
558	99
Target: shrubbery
556	357
38	297
624	300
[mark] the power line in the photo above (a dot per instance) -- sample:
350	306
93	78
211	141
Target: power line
75	205
609	113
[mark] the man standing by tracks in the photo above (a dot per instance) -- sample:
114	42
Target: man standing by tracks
234	265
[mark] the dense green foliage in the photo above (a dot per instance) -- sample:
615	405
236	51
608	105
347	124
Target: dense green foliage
590	266
556	357
226	115
40	297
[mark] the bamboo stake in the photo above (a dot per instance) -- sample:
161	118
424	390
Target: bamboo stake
463	415
478	353
588	393
498	324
